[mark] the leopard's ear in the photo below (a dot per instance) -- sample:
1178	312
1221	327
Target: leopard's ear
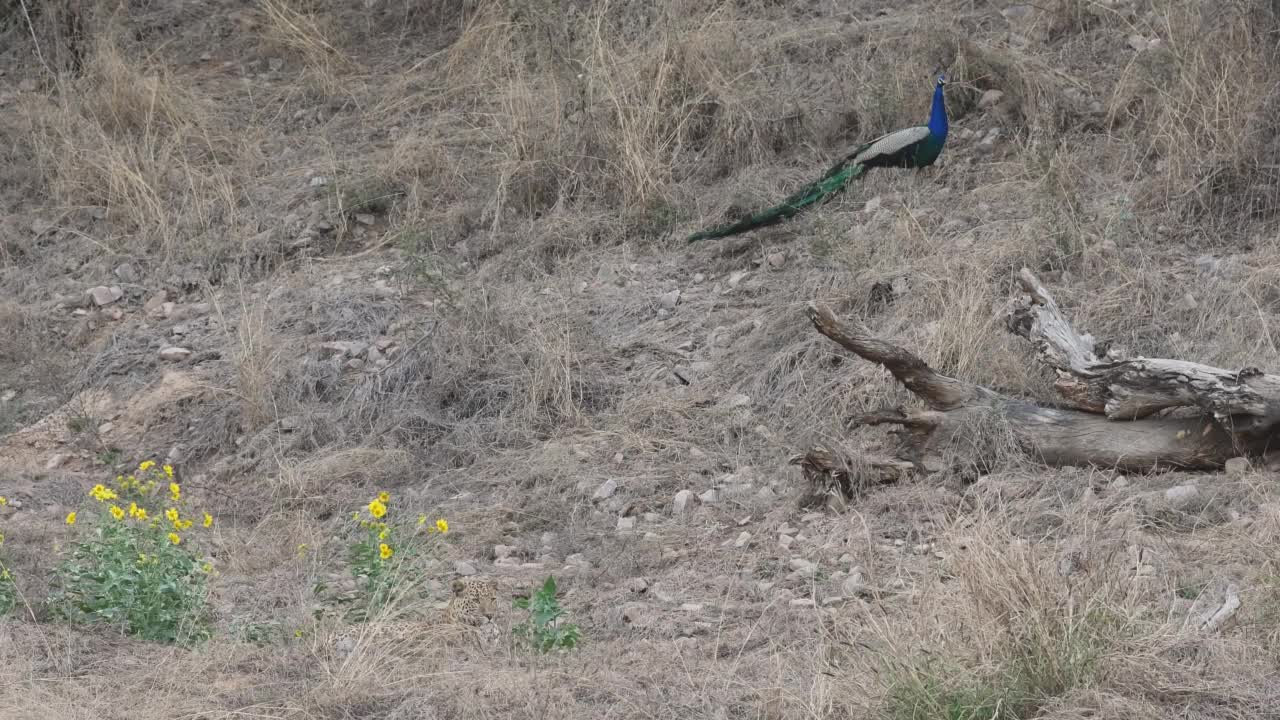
458	586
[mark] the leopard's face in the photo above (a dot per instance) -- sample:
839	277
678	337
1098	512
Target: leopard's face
475	599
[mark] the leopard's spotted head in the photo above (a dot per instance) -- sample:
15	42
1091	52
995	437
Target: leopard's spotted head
475	599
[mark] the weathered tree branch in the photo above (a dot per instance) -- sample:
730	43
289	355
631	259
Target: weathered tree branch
1246	401
1113	427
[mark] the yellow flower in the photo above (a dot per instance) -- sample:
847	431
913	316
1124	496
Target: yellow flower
101	493
208	520
422	519
171	515
207	567
175	491
4	574
133	509
142	513
355	515
377	509
382	534
146	465
71	518
168	470
116	512
385	551
184	524
442	525
3	500
384	497
173	538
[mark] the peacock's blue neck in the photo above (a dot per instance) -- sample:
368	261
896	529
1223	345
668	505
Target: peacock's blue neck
938	115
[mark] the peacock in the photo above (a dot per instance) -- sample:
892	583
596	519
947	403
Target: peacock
912	147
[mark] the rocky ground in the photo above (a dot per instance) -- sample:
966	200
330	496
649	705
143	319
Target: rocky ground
309	251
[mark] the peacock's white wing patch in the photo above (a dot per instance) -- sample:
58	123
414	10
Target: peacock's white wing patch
893	142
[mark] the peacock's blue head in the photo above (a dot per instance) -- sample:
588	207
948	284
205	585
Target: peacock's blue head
938	124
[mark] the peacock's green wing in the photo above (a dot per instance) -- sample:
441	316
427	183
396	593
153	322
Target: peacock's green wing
832	182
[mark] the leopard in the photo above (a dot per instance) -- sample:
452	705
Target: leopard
470	614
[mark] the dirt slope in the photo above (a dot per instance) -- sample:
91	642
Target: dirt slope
310	251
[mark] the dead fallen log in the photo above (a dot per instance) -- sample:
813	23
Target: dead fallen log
1134	414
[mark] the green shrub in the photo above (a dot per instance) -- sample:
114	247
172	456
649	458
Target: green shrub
388	558
135	569
544	631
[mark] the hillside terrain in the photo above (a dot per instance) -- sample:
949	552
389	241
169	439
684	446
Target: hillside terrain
307	251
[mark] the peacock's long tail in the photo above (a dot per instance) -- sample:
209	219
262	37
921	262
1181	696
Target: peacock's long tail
815	192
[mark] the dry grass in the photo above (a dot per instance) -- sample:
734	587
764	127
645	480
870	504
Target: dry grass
504	188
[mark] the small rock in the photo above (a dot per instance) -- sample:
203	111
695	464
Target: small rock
1120	482
872	205
691	607
1188	302
503	551
802	603
637	585
106	427
833	601
776	260
319	181
989	140
28	84
626	524
348	348
853	586
103	295
606	489
682	501
1184	498
8	395
1237	466
804	568
1208	264
668	300
126	273
577	560
699	278
366	219
710	496
1138	43
1016	13
737	277
180	329
990	98
55	461
462	567
743	538
153	303
173	353
784	541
